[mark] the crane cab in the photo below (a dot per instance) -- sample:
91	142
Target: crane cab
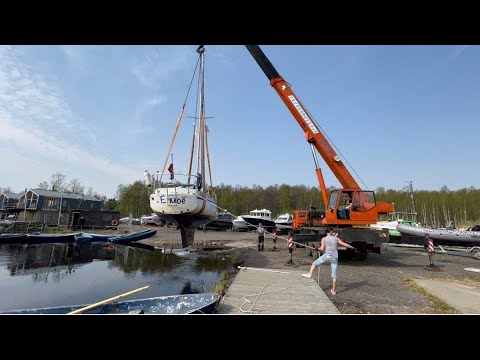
351	207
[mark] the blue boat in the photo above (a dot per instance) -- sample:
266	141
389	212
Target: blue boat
124	239
203	303
81	237
14	238
88	237
50	238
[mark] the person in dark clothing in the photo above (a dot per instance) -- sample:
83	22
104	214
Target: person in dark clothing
261	237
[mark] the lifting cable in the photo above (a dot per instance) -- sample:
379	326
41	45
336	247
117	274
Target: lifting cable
179	120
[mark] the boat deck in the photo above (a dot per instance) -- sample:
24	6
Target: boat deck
269	291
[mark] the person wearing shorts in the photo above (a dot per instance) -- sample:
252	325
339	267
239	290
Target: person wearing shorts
329	248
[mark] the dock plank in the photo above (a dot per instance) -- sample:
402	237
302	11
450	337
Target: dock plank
271	291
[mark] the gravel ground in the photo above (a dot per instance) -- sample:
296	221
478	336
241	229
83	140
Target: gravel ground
374	286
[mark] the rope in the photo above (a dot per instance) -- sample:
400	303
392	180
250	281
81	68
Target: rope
253	305
263	293
278	236
260	269
179	120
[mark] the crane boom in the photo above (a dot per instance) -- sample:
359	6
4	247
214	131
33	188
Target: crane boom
304	119
349	209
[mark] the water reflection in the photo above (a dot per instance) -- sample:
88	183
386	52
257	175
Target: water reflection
188	288
212	263
130	260
58	259
45	275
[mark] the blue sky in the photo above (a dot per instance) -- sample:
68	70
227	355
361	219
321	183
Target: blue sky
105	114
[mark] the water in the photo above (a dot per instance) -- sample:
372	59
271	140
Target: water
48	275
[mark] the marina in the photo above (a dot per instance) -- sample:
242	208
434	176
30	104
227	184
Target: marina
68	247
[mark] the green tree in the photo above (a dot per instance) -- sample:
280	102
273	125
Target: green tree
133	199
43	186
285	198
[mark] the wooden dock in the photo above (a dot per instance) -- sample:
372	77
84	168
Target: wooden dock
270	291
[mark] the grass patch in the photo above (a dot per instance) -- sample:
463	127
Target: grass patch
223	283
235	260
440	306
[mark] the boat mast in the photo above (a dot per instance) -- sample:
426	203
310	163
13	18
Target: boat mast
201	148
413	197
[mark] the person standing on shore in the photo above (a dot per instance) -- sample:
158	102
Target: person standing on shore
261	237
274	238
329	247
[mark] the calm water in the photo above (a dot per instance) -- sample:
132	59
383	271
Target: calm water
36	276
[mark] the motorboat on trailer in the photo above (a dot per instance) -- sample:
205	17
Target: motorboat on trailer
223	221
395	218
239	224
442	236
255	217
284	222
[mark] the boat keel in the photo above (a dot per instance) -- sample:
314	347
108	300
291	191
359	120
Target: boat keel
188	235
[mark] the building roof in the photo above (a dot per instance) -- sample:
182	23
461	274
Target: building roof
65	195
10	195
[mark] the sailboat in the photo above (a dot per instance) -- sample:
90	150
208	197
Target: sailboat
187	200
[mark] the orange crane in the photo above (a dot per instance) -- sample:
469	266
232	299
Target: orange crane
350	209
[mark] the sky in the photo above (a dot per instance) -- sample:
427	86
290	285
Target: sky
105	114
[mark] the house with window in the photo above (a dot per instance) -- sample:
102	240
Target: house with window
53	207
8	205
56	208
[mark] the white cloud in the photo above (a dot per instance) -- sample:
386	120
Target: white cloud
78	56
138	124
36	120
158	65
455	53
148	104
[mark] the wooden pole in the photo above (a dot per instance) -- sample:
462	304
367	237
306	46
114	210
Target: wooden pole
107	300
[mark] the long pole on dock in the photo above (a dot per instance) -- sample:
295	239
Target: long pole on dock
107	300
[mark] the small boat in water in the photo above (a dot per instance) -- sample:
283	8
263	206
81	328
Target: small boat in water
125	239
15	238
203	303
89	237
41	238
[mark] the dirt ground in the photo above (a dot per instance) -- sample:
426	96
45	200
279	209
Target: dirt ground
378	285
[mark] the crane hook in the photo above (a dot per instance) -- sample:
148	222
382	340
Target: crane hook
200	49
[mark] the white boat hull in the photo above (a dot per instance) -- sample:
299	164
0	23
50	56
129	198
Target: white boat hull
443	236
239	224
284	222
283	225
183	206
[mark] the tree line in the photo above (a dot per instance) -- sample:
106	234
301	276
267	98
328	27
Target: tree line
433	208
